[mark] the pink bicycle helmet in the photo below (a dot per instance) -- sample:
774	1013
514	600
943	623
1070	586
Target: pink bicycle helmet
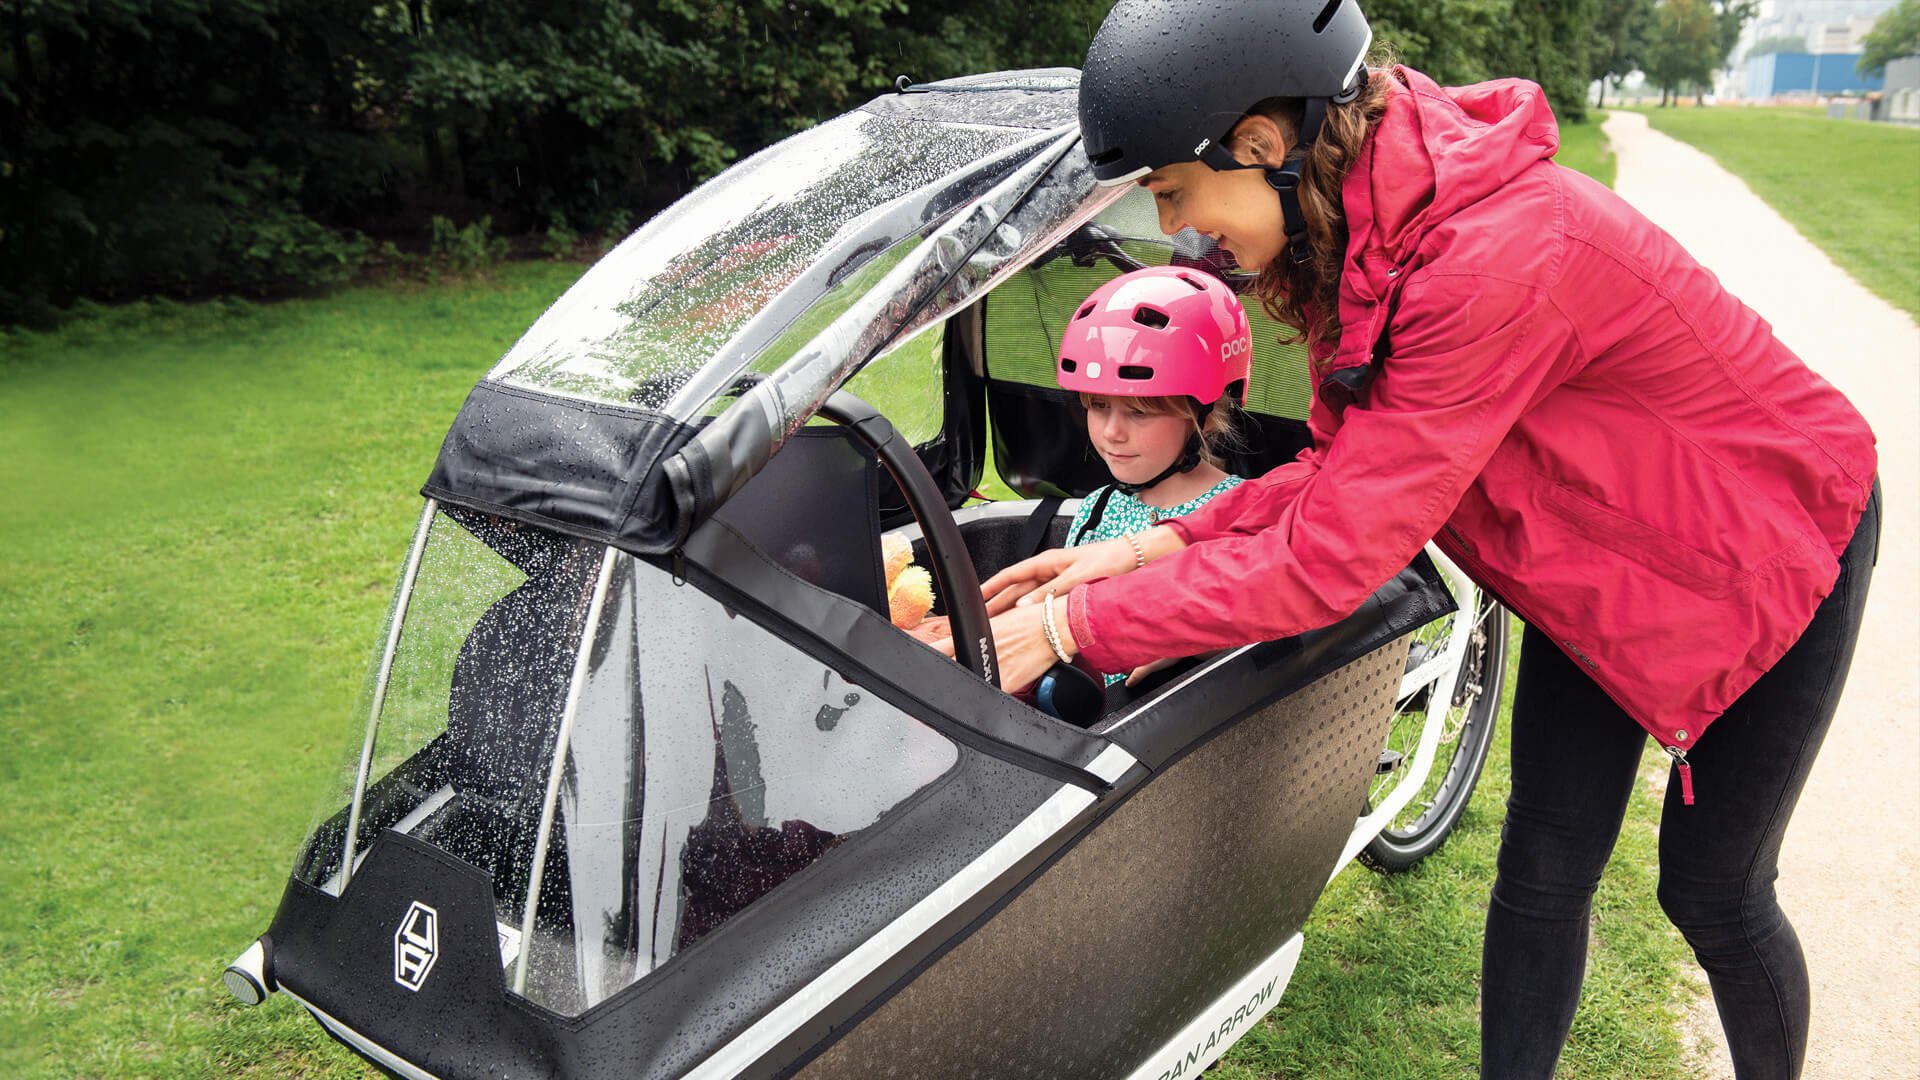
1161	331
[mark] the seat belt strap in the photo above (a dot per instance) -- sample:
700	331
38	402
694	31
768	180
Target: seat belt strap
1034	534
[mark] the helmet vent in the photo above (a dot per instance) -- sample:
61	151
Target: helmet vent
1152	317
1083	312
1197	286
1321	20
1067	365
1105	157
1136	372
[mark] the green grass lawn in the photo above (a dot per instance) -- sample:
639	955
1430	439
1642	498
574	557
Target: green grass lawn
208	506
1582	147
1853	188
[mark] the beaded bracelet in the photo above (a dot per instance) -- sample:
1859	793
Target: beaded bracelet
1053	634
1139	553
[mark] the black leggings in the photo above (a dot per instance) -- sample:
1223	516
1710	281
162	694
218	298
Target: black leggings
1575	757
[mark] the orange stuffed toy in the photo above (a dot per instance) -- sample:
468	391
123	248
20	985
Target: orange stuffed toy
910	592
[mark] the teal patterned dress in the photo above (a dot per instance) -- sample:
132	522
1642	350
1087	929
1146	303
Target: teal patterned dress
1125	515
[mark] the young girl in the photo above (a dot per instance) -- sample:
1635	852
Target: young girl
1153	354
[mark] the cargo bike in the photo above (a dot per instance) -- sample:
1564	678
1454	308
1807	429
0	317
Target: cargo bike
646	783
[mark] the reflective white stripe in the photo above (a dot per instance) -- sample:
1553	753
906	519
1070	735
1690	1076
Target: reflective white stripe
1127	179
1358	60
425	810
338	882
1180	684
787	1017
386	1058
1221	1024
1112	764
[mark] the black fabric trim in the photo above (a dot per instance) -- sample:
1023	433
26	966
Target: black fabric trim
579	467
1271	670
338	953
881	659
1037	449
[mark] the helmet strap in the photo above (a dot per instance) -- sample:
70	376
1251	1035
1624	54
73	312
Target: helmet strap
1285	181
1188	461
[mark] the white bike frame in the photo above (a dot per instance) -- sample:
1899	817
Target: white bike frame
1441	673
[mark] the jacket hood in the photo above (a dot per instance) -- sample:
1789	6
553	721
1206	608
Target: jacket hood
1437	150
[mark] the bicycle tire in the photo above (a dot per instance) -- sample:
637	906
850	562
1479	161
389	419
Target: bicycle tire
1426	822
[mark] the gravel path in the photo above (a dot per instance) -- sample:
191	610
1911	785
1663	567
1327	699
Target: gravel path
1850	871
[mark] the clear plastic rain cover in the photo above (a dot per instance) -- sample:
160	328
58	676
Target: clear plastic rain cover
664	303
706	761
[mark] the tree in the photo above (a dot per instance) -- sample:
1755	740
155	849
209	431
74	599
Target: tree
1894	35
265	146
1620	41
180	147
1549	41
1684	47
1729	18
1778	43
1465	41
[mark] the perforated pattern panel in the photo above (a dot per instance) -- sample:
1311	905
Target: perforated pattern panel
1184	888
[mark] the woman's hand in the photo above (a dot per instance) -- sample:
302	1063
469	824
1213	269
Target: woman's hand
1064	568
1020	644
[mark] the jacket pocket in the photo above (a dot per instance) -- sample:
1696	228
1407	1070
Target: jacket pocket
1644	544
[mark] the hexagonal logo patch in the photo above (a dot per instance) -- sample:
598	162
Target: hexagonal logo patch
415	945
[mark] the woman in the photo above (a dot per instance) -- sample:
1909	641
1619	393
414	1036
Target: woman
1511	361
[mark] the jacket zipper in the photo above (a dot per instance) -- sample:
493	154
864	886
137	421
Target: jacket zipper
1459	552
1679	757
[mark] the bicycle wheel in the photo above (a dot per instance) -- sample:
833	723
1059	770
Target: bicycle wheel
1423	823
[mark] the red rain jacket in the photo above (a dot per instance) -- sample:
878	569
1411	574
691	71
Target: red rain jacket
1569	404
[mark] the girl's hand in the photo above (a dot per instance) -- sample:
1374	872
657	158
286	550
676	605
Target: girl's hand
1144	670
1064	568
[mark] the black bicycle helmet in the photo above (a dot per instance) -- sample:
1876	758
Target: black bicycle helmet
1165	81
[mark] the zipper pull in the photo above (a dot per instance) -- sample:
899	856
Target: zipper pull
1679	757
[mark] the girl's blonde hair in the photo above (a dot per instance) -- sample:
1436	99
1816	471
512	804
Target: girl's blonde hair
1217	435
1306	295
